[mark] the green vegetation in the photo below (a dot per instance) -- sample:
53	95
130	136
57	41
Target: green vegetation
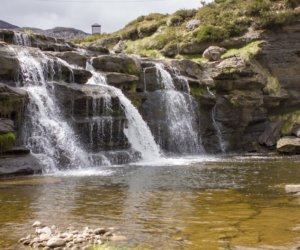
156	34
289	120
7	141
247	52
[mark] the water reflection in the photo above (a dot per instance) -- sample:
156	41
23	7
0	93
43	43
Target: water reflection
208	205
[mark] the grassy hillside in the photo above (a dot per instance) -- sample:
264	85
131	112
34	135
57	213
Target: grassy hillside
158	35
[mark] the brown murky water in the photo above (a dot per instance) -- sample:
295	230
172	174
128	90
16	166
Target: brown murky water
219	204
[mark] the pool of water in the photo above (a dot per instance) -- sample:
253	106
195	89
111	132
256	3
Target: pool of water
208	203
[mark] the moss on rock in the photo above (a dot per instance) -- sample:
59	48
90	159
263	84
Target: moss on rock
7	142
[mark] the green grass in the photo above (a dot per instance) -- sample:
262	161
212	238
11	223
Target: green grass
288	120
247	52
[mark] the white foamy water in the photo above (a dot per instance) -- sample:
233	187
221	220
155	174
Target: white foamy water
22	39
49	136
180	116
137	132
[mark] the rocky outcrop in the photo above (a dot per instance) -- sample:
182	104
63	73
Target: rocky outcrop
119	64
213	53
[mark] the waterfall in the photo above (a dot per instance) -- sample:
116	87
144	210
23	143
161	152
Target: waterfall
22	39
180	115
221	141
48	135
137	132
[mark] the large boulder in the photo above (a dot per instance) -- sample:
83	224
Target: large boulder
9	70
125	82
73	58
12	165
271	134
288	145
119	64
213	53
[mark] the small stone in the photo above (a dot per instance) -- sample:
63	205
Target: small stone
37	224
292	188
28	237
118	238
86	248
46	230
108	234
56	242
46	248
44	237
53	227
100	231
22	240
26	242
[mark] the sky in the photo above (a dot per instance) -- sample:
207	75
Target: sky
81	14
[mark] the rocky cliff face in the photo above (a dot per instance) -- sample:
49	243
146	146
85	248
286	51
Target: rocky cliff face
241	101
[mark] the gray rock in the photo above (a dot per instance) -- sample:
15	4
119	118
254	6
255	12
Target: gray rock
100	231
295	130
19	165
119	47
56	242
6	126
192	24
37	224
288	145
213	53
271	134
292	188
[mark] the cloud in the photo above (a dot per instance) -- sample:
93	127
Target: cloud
81	14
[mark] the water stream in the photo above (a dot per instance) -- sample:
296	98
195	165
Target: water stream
180	115
137	132
48	135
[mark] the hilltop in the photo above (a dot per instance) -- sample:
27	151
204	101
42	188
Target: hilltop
190	32
6	25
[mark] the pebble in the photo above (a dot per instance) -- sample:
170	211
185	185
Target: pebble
118	238
37	224
56	242
50	238
292	188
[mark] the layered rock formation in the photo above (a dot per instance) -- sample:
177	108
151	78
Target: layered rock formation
242	102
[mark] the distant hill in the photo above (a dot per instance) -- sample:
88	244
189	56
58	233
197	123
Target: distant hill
6	25
59	32
66	33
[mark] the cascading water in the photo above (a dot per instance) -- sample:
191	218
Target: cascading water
48	135
22	39
137	132
180	115
221	141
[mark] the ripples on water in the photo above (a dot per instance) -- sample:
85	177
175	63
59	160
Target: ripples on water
191	203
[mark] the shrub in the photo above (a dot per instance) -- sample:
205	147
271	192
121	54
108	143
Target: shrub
174	21
185	14
256	7
207	33
276	19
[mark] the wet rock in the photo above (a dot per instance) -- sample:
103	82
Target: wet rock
271	134
288	145
73	58
6	126
56	242
99	50
124	82
213	53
